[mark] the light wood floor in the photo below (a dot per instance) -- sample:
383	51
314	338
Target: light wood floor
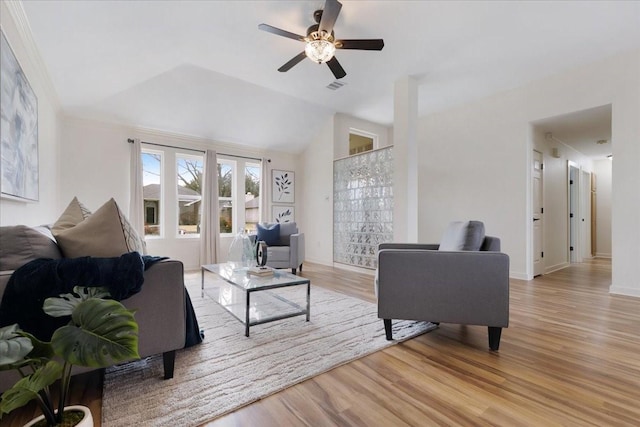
570	357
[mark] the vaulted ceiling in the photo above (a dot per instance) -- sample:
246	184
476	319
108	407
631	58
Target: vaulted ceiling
203	68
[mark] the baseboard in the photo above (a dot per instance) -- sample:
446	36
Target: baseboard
600	255
629	292
519	276
556	267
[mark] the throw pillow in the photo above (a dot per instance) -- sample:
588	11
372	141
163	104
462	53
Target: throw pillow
463	236
20	244
106	233
269	233
73	215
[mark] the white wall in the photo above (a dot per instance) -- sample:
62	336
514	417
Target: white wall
474	161
603	171
555	197
317	186
47	208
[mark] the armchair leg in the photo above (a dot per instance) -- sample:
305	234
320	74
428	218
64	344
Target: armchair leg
300	268
293	271
387	329
494	337
169	359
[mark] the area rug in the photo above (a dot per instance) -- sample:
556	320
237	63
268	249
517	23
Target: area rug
229	370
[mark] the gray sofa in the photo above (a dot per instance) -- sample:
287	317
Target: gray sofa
421	282
160	305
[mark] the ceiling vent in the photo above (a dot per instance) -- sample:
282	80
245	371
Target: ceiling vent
335	85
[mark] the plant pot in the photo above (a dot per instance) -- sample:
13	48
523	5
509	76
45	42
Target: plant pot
87	420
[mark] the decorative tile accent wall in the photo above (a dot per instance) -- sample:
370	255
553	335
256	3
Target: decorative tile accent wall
362	207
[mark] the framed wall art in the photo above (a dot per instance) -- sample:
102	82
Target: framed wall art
18	129
283	186
282	214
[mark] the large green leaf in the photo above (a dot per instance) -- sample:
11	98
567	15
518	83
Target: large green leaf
27	388
13	347
101	333
64	304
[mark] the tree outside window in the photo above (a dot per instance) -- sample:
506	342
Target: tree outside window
225	196
189	179
152	191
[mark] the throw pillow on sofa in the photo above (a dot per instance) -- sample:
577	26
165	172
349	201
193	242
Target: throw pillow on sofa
463	236
270	234
73	215
20	244
106	233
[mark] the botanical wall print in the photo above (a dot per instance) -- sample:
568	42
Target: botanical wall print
18	129
283	186
282	214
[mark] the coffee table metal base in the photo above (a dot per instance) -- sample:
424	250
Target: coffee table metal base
266	293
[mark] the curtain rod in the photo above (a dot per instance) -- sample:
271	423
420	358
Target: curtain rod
130	141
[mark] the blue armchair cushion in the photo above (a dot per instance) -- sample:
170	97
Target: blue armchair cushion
463	236
270	234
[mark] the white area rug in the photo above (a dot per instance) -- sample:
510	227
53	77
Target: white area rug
229	370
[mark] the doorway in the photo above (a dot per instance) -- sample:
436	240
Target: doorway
536	191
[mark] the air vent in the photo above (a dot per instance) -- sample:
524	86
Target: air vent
335	85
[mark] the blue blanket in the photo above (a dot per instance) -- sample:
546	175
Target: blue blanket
42	278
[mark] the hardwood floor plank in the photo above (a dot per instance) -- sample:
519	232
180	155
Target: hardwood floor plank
569	357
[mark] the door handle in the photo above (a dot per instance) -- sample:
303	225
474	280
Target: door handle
536	219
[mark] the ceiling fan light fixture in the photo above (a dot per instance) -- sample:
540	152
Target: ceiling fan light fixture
319	48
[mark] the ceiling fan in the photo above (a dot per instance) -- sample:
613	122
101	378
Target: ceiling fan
321	43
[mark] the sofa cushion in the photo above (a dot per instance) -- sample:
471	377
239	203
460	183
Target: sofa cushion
20	244
73	215
463	236
106	233
269	233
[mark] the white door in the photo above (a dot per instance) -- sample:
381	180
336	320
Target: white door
574	211
585	215
536	174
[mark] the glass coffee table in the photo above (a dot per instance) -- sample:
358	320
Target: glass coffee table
255	300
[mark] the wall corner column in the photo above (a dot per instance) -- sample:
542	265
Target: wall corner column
405	160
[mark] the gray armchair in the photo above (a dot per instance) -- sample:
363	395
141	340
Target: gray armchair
420	282
287	251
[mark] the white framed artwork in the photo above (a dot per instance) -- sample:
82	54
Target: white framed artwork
282	214
19	130
283	186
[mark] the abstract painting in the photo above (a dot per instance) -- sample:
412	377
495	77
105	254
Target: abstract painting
18	130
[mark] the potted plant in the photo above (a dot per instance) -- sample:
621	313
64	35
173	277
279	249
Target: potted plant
101	332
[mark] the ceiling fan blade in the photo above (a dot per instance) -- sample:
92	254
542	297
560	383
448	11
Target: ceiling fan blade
336	68
329	15
289	65
279	32
363	44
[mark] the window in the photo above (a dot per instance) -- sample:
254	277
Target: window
225	195
360	141
189	179
152	191
252	196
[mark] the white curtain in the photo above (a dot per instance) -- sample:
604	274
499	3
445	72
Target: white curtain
265	190
136	203
209	226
